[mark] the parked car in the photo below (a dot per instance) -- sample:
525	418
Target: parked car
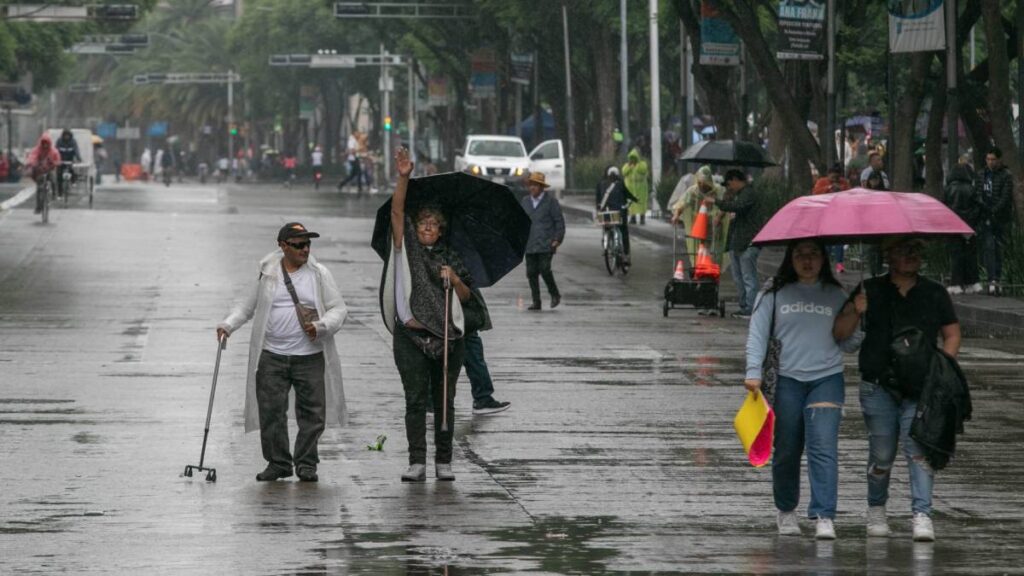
503	159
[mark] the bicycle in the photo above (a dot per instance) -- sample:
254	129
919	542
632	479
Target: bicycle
44	188
611	241
64	181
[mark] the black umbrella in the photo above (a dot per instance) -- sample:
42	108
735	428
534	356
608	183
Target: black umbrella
486	224
727	152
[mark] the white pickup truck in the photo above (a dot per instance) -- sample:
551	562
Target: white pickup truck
503	159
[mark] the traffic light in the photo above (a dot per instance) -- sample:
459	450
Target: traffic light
387	123
233	129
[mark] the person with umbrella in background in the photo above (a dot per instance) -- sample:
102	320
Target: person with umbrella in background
883	307
636	175
685	210
547	230
426	323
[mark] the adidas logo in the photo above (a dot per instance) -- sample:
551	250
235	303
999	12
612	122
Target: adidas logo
805	307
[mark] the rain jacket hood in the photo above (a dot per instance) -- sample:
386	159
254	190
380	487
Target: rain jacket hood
43	153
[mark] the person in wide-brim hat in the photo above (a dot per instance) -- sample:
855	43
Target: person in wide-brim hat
538	178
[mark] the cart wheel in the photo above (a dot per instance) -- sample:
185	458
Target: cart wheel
664	309
721	308
92	188
188	471
211	476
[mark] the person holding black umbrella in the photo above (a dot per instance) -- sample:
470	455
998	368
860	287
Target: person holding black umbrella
426	322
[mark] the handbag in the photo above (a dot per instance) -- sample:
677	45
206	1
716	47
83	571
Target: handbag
306	315
770	366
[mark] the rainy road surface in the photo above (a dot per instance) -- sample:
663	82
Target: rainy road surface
618	454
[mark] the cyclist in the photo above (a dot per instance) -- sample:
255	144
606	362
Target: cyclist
41	161
612	194
69	154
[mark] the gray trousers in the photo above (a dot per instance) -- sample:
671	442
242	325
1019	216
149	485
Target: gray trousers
276	375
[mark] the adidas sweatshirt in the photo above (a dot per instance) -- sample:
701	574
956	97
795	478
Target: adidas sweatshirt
804	314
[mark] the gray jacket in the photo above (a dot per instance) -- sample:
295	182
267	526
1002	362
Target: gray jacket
547	223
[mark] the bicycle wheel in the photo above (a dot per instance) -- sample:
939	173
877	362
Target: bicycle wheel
66	192
609	262
45	190
620	253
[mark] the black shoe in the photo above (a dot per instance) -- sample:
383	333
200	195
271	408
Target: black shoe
271	473
490	406
307	474
555	301
534	306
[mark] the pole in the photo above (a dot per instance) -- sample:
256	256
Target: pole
744	96
690	99
127	144
684	87
652	6
412	111
519	110
624	78
231	115
538	115
890	81
1020	84
571	161
828	139
10	136
953	111
386	111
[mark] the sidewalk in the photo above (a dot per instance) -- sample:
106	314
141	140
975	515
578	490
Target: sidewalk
980	316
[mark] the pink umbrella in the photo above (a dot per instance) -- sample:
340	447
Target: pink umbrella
860	215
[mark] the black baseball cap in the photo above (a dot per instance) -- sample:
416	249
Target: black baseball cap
294	230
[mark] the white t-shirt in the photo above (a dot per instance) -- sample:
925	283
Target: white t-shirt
536	200
318	158
284	334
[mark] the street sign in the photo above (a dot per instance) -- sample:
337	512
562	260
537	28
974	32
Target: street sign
51	13
186	78
401	10
85	87
106	130
128	133
332	61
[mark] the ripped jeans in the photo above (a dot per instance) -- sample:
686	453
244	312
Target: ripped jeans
807	414
888	424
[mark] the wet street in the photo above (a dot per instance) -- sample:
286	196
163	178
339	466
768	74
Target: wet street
617	456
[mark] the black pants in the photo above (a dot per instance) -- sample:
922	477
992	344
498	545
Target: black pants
539	265
275	376
990	240
963	255
422	377
355	171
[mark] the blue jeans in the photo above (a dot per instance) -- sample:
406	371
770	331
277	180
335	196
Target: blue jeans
807	414
744	273
476	368
888	423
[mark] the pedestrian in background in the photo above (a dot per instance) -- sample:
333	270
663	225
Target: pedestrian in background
423	317
478	319
296	309
685	210
875	181
742	201
833	182
799	309
875	164
636	174
146	160
892	304
996	193
961	196
547	230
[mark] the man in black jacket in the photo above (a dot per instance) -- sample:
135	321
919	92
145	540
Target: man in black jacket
741	200
547	230
996	194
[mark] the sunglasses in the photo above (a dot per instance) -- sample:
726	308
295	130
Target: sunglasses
299	245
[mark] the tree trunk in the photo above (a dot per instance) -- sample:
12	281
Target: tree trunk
606	76
999	85
933	179
908	106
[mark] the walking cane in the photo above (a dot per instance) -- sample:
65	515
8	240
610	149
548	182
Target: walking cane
211	473
444	376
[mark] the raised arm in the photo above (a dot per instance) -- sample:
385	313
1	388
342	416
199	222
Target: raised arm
404	166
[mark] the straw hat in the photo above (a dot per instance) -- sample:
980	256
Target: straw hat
537	178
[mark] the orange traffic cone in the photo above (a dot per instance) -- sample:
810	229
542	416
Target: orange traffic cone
679	274
699	230
703	257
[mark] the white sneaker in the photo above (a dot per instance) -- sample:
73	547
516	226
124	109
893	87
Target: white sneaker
825	530
955	290
993	289
444	472
415	473
878	526
789	524
923	530
975	288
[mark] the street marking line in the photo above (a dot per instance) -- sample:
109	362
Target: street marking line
18	198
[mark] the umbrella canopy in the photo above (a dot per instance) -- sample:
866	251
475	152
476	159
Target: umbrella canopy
861	215
727	152
486	225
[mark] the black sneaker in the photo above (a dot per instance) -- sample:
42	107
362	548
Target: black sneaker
307	474
555	301
271	473
534	306
490	406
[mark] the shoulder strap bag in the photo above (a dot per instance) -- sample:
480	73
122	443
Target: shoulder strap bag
306	315
770	366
